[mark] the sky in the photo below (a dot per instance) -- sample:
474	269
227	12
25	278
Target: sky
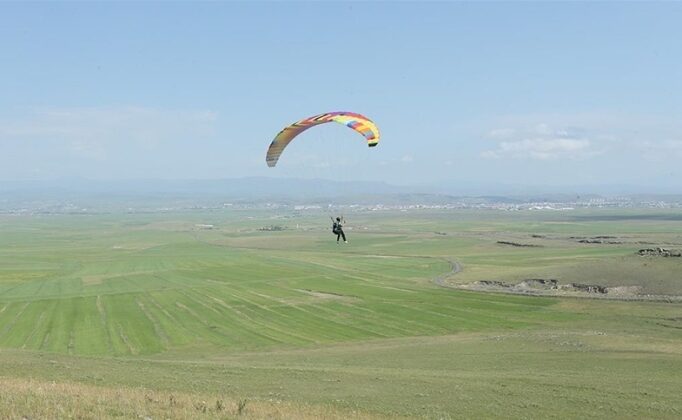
529	93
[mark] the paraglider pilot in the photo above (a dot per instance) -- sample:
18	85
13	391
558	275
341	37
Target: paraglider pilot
337	229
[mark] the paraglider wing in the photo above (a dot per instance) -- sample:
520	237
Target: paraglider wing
357	122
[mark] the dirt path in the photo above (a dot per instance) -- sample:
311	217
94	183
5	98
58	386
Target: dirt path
455	268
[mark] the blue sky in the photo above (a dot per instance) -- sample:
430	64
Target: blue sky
554	94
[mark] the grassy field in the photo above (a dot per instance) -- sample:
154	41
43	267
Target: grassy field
289	324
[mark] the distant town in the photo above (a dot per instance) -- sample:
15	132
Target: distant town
366	204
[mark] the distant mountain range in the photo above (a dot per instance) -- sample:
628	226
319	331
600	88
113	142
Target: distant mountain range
237	188
265	189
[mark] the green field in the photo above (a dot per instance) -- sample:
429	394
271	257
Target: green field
160	304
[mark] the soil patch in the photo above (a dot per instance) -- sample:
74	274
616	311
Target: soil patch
327	295
518	244
601	239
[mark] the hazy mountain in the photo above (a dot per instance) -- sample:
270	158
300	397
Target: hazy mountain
248	188
186	193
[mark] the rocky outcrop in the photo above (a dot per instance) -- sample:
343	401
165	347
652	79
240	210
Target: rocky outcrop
587	288
659	252
541	286
518	244
491	283
598	241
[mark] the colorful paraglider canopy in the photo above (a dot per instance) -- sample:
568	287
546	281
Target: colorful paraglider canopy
357	122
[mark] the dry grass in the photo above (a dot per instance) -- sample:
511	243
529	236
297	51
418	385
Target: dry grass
29	399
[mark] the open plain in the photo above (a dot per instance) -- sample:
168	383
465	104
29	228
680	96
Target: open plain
217	314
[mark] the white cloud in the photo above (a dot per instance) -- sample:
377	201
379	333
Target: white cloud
90	133
674	145
407	159
501	133
543	129
660	150
540	142
542	149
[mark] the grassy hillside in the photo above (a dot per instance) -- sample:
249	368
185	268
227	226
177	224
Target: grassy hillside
161	302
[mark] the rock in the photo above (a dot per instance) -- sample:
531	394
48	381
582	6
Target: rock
588	288
491	283
659	252
518	244
539	283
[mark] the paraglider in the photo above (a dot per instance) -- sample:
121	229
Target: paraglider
337	229
357	122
